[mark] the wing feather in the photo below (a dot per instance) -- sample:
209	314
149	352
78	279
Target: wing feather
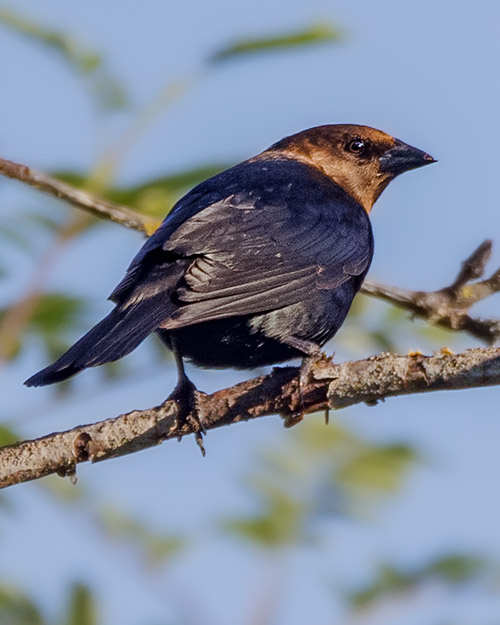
254	246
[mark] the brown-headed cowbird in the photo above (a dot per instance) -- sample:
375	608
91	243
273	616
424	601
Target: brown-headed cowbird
256	265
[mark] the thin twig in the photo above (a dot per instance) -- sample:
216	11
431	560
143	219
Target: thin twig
334	386
79	198
449	307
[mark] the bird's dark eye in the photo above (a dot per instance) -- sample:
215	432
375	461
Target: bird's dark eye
356	146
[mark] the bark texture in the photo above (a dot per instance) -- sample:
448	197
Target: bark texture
330	386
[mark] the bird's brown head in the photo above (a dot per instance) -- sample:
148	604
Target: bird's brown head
362	160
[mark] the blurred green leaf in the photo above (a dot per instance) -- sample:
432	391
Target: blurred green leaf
56	319
82	60
390	581
438	336
315	34
457	568
108	91
82	609
280	525
17	609
114	370
382	340
320	472
57	313
360	305
155	548
379	326
7	436
316	438
377	468
154	197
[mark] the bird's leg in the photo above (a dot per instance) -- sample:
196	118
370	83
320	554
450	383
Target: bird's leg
186	396
312	353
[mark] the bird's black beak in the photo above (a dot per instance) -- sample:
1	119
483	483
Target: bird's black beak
403	157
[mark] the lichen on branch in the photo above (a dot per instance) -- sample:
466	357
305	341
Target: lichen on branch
330	386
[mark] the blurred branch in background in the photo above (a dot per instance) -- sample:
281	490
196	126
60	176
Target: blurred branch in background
333	386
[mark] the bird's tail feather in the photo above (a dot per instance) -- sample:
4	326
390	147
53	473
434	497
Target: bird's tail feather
115	336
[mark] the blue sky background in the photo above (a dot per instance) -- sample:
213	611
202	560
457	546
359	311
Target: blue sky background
425	72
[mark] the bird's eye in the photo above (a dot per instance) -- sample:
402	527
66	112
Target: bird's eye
356	146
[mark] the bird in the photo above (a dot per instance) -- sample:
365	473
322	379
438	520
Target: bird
256	265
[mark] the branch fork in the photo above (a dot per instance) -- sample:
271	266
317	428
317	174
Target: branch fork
449	307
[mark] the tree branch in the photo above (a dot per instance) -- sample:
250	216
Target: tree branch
334	386
447	308
79	198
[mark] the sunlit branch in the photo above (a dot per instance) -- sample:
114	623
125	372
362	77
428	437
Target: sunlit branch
334	386
449	307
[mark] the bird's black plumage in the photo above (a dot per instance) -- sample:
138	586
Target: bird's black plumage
254	266
290	251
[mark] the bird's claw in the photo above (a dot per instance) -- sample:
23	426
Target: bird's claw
306	369
188	413
289	420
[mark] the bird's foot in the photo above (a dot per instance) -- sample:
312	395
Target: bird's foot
187	398
308	364
324	360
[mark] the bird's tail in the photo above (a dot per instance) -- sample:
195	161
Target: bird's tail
115	336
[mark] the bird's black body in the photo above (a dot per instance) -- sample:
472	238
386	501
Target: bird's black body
301	246
254	266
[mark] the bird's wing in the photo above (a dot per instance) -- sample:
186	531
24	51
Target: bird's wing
248	258
260	236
